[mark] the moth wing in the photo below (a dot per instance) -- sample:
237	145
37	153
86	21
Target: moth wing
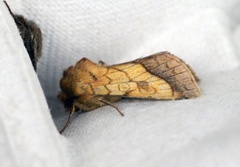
159	76
173	70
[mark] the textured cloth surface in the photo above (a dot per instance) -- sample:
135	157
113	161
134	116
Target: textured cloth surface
195	132
27	134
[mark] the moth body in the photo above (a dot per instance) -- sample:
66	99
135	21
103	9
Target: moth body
160	76
163	76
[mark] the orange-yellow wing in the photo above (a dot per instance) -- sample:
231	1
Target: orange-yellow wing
159	76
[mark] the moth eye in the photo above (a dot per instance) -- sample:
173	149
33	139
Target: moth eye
68	103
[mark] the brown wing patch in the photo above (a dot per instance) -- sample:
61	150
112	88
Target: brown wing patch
173	70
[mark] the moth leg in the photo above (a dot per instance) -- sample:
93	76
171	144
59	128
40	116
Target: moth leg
69	119
112	105
101	63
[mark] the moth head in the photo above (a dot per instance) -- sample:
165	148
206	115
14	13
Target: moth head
66	96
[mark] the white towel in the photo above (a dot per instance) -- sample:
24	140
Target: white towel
195	132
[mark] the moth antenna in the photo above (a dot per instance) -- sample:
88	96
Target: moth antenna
110	104
69	119
10	11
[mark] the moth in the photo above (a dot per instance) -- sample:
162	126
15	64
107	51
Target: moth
163	76
31	35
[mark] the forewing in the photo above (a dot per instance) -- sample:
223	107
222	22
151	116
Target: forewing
174	71
134	81
159	76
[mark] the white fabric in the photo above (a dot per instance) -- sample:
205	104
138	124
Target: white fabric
196	132
27	134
